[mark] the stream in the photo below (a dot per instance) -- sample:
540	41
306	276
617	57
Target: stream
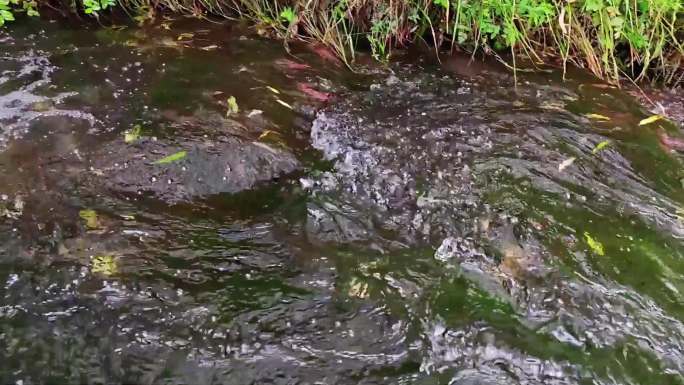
190	203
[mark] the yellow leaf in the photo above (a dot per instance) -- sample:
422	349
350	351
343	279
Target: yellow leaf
275	91
650	119
90	218
600	147
104	264
597	117
284	104
595	245
232	106
133	134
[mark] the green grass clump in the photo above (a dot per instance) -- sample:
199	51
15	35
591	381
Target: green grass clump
614	39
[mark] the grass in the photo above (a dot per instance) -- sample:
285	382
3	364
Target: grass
614	39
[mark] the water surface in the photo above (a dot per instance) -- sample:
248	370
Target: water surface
424	225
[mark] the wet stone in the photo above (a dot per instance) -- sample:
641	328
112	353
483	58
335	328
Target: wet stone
209	163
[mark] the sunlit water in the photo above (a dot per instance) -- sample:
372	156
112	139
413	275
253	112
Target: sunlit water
422	226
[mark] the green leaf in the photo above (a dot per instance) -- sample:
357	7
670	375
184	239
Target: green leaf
600	147
650	119
171	158
133	134
595	245
232	106
90	217
442	3
288	15
7	15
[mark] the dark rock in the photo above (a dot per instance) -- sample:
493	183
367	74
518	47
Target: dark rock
217	160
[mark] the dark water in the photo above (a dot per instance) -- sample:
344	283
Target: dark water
423	226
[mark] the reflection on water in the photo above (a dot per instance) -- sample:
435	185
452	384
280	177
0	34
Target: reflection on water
422	227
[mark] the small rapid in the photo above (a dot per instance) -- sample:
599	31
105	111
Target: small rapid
196	205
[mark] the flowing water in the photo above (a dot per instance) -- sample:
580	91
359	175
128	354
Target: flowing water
409	224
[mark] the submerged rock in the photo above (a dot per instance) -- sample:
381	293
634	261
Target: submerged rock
210	158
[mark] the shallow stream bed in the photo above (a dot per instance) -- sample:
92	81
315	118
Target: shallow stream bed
195	205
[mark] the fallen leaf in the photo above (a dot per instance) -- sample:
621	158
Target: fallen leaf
133	134
600	147
275	91
603	86
284	104
312	93
185	35
90	218
254	113
326	54
232	106
209	47
104	264
292	65
650	119
171	158
358	289
597	117
268	133
566	163
596	246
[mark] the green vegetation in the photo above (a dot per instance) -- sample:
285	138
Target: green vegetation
612	38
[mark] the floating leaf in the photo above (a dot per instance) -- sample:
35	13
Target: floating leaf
597	117
284	104
171	158
275	91
600	147
566	163
90	217
232	106
104	264
595	245
650	119
268	133
133	134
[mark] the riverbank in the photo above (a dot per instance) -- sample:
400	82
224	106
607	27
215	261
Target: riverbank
616	39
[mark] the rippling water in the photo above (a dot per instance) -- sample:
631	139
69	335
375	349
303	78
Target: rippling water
423	226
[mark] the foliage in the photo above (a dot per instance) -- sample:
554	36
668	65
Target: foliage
612	38
8	8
